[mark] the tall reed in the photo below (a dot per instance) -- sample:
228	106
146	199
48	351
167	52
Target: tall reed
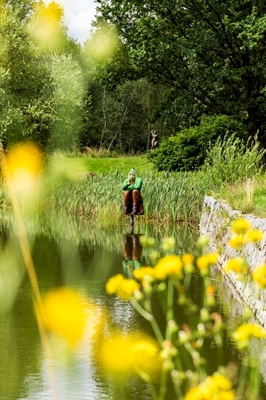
168	197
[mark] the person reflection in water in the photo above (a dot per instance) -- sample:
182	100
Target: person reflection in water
132	252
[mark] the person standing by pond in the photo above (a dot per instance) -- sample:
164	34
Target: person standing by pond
133	201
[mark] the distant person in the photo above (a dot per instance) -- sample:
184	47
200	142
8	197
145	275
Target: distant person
133	202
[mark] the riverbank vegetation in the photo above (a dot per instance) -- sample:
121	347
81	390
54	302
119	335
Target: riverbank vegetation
90	187
202	86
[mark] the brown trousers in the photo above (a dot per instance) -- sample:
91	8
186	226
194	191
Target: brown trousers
133	198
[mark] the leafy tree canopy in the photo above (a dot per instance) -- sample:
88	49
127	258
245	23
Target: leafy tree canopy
211	53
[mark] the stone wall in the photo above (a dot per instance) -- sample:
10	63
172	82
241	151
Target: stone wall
215	220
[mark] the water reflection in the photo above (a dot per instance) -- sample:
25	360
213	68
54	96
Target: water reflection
83	256
77	255
132	252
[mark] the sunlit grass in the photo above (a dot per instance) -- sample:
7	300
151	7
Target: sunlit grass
168	197
109	165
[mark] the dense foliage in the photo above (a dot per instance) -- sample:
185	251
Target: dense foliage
187	150
129	79
40	82
211	54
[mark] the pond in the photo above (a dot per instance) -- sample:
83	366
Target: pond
84	256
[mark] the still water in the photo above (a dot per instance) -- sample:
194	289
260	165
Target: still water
76	254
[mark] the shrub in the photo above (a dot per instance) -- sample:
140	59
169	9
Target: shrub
188	149
231	159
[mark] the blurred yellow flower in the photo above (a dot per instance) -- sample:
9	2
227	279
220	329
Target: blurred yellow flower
64	314
254	235
127	289
114	283
210	290
130	353
246	332
187	259
22	166
144	273
168	266
122	287
237	265
237	241
259	276
240	226
45	26
205	261
216	387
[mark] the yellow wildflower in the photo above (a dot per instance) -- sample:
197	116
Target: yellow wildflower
64	314
254	235
237	241
236	265
127	288
22	166
45	24
205	261
114	283
187	259
216	387
240	226
168	266
130	353
122	287
259	276
144	273
210	290
246	332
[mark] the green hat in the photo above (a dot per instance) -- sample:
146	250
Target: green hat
132	171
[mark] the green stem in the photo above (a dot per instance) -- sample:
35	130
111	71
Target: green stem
177	388
149	317
170	308
242	378
163	385
254	379
146	379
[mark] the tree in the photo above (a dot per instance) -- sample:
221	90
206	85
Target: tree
35	99
121	118
24	106
122	109
210	53
68	98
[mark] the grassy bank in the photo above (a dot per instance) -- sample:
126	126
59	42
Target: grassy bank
91	188
168	198
231	174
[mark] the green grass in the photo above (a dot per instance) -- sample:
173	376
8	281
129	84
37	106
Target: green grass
248	196
91	188
110	165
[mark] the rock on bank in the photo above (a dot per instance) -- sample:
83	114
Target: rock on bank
215	222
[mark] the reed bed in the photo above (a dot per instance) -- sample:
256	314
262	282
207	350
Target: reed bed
168	197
